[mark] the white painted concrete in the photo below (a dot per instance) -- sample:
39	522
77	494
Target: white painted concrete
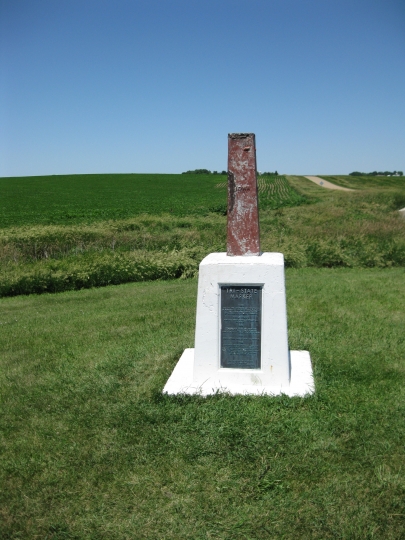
199	370
266	270
301	383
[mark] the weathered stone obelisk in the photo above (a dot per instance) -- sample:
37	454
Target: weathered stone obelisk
241	340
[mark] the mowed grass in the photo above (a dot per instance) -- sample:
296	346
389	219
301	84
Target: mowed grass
91	449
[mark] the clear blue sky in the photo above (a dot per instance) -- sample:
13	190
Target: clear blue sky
99	86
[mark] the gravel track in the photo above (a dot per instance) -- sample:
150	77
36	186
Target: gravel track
324	183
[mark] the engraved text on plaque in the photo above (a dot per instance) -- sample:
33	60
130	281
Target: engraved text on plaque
241	320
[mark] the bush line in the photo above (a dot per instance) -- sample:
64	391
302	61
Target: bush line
98	269
94	271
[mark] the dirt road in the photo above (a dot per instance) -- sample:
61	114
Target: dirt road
329	185
326	184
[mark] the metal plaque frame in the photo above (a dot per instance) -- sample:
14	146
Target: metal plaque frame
241	326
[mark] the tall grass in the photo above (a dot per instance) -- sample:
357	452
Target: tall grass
360	229
97	270
333	229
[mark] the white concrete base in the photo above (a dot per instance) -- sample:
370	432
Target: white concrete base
301	380
201	371
267	271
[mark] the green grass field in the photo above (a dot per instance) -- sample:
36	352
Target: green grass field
90	449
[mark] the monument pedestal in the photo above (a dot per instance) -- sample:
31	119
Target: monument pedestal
241	340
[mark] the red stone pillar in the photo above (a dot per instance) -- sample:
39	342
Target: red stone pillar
243	213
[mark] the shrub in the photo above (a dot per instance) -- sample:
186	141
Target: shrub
95	270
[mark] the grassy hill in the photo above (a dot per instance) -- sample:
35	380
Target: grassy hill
367	182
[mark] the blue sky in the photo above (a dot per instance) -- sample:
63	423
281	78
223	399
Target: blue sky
104	86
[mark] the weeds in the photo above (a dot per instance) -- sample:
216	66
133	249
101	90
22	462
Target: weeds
332	229
96	270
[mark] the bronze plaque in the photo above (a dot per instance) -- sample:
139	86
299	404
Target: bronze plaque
241	325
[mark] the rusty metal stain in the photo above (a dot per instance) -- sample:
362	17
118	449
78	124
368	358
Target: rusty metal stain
231	192
243	214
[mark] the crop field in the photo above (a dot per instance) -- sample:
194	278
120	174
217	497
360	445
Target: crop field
88	198
80	250
66	200
275	192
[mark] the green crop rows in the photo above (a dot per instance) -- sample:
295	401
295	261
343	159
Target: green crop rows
99	197
70	199
275	192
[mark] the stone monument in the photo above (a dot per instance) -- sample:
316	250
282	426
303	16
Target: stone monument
241	339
